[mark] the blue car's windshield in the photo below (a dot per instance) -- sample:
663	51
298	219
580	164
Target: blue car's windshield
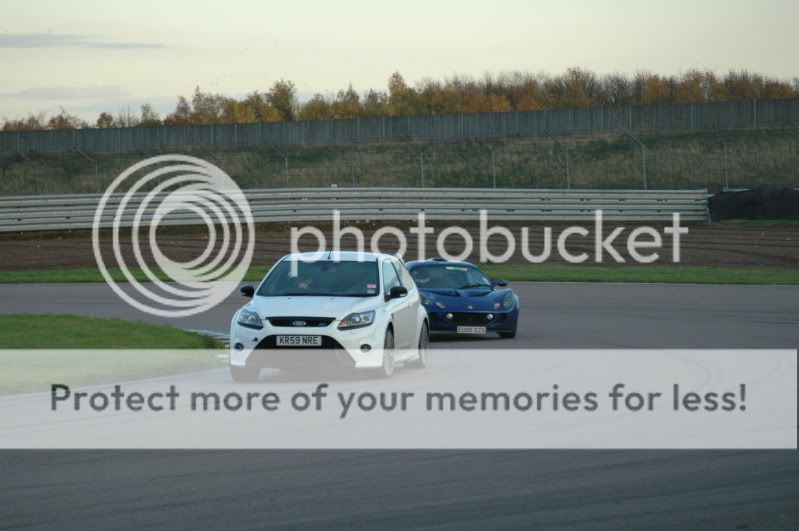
442	276
322	278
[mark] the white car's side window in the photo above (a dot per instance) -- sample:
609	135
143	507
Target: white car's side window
404	275
390	278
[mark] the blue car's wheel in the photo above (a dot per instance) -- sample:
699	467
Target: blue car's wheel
509	334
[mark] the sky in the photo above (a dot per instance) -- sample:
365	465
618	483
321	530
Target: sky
95	55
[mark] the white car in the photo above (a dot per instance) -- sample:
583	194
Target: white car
359	310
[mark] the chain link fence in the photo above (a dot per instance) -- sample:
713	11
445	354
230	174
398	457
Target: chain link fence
623	160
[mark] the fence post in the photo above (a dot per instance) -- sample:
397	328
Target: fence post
643	159
285	160
351	157
643	152
96	171
568	176
724	159
754	114
493	168
493	161
565	148
726	166
33	172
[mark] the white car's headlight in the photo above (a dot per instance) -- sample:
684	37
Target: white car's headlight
357	320
250	319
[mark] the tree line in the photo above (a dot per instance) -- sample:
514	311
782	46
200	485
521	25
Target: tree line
518	91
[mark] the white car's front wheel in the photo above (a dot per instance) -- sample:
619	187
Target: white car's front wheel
387	369
424	339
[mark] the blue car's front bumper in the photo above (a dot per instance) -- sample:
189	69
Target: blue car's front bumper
501	321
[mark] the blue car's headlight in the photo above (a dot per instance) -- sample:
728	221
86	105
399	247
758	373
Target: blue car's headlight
427	301
250	319
508	300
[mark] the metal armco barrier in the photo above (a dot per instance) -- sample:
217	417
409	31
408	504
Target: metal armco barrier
39	213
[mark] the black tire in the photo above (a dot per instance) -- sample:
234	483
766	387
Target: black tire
424	340
387	369
244	374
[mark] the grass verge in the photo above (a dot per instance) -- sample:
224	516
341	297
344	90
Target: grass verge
80	275
517	272
85	364
758	223
657	274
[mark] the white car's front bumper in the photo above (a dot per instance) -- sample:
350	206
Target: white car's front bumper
344	347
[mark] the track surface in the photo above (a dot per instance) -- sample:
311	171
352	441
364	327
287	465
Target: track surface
627	489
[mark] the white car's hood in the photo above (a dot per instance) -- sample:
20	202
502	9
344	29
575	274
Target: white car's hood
304	306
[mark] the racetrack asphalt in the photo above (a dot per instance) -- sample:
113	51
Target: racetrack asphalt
387	489
553	315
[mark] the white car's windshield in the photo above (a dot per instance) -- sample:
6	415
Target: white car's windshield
322	278
449	277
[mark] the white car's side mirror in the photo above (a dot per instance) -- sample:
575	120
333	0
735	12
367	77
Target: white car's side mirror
397	292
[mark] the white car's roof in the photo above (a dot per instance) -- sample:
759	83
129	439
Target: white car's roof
339	256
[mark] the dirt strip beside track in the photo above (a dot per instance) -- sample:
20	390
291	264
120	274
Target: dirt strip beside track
717	245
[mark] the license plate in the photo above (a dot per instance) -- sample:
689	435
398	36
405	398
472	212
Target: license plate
471	329
299	341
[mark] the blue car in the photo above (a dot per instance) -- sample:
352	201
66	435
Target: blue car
460	299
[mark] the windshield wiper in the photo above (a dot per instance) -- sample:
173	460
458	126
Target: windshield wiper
469	286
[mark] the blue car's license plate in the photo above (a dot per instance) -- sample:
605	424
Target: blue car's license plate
471	329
